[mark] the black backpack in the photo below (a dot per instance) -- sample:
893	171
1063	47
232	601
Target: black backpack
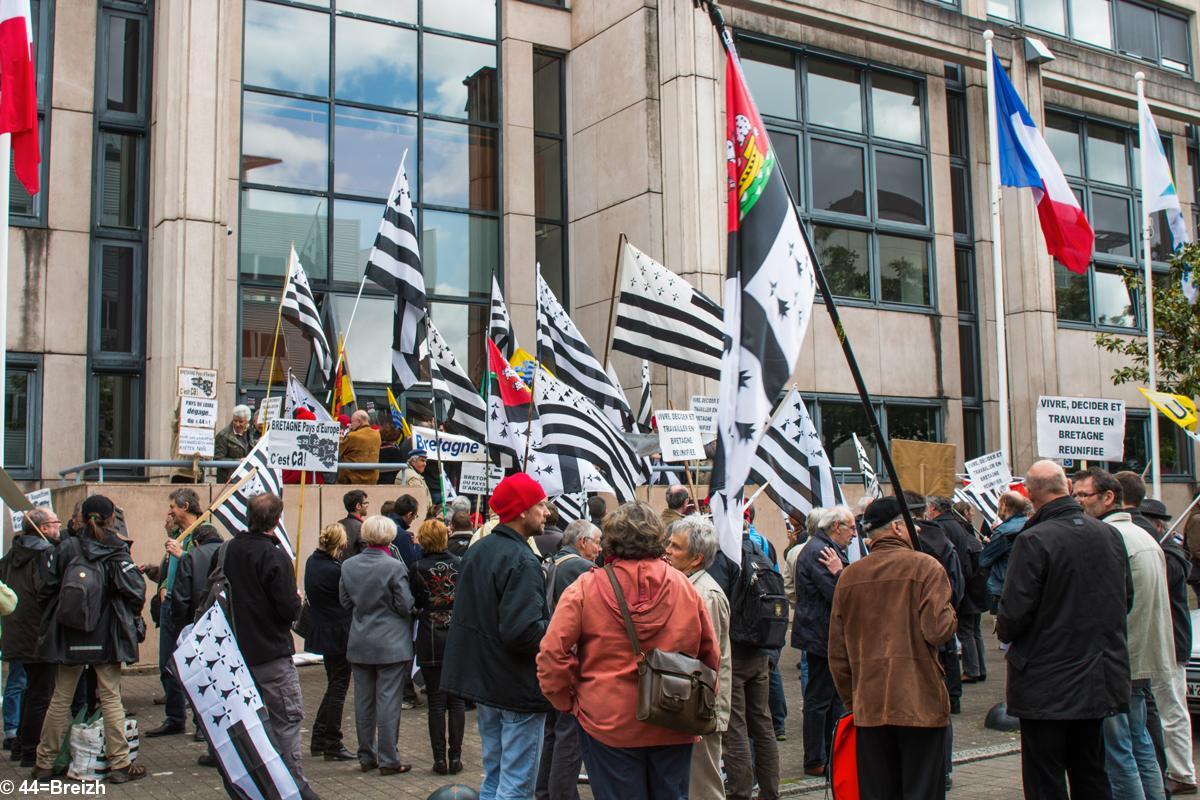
758	610
82	592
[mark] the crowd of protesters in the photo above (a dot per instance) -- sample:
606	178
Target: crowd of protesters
542	628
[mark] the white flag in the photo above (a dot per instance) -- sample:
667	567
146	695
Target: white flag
1158	189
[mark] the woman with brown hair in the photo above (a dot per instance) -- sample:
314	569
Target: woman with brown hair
92	620
328	633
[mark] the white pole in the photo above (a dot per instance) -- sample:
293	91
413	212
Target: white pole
997	270
1148	291
5	154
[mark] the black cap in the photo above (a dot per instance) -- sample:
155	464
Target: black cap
881	512
1154	509
97	504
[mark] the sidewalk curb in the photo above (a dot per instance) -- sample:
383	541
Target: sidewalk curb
810	785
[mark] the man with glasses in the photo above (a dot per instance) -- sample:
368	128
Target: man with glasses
25	569
1062	611
818	568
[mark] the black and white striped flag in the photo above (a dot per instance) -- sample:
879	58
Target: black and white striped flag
572	426
300	308
663	318
500	327
232	512
645	412
574	363
571	507
791	461
986	500
466	411
395	264
870	480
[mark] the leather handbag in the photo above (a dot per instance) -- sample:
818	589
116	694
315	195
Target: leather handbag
675	690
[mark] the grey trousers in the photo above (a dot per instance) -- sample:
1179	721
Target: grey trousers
558	772
279	685
705	783
378	693
750	724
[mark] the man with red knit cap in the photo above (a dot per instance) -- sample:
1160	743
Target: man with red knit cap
499	618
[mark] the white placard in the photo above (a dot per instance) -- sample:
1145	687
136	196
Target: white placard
990	471
454	448
273	408
1087	428
39	499
705	409
197	412
197	382
679	436
304	444
195	441
473	480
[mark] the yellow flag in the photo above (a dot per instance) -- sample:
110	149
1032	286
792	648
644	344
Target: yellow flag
398	419
1177	408
522	356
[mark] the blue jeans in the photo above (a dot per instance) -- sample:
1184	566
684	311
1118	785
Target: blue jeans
14	690
775	696
1129	757
512	748
637	773
176	701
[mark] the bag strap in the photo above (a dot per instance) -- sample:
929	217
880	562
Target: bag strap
633	640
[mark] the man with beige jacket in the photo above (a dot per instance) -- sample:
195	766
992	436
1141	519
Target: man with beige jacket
691	547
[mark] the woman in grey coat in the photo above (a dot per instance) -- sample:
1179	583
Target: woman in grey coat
374	586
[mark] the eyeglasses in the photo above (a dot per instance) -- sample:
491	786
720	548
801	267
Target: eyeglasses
1084	495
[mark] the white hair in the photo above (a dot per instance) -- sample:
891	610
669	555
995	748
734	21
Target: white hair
832	516
241	412
701	537
460	503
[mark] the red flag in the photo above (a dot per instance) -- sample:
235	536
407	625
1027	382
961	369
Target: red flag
18	90
513	391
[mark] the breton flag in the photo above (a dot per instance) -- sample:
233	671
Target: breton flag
395	264
792	464
300	308
986	501
572	427
466	412
230	710
868	472
1158	189
645	412
1026	160
571	507
662	318
18	91
574	362
768	297
500	327
232	512
298	396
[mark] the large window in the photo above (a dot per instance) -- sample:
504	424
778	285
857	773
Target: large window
1100	160
120	200
853	146
1174	447
23	416
1140	30
332	96
836	418
550	170
23	208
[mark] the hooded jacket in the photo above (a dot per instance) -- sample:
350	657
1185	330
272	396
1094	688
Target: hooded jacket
25	569
586	665
115	638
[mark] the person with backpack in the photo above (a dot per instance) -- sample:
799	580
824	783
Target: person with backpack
758	621
94	595
558	772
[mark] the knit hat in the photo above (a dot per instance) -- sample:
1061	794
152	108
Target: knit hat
515	495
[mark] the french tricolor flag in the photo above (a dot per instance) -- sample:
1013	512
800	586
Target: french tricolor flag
18	90
1026	160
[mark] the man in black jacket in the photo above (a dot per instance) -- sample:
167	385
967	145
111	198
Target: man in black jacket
404	513
970	606
263	603
191	581
357	505
1062	612
499	619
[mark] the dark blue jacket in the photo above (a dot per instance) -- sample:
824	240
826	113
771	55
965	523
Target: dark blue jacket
994	557
814	596
410	551
329	622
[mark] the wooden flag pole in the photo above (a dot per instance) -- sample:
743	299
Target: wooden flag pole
225	495
287	277
612	309
433	406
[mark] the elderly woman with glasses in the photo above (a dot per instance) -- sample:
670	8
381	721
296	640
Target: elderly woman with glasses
234	441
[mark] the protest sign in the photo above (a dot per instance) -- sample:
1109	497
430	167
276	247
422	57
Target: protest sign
38	499
705	409
990	471
474	480
304	444
925	467
454	448
273	408
197	412
195	441
1087	428
198	382
679	436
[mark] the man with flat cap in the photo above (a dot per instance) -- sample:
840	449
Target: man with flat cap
891	611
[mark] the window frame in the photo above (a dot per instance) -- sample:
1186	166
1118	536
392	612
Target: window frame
32	364
43	54
562	222
1141	418
815	402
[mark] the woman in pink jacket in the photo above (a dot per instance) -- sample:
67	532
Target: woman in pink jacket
586	665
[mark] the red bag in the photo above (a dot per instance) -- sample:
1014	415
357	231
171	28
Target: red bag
843	766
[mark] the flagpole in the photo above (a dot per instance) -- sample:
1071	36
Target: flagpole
1148	291
433	405
537	363
612	309
5	151
997	265
287	277
346	333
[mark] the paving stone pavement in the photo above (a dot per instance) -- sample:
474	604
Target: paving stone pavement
174	774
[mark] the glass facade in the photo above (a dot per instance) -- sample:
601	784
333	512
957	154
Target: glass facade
836	418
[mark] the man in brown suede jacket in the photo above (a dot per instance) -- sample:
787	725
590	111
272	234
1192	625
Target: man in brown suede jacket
891	610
